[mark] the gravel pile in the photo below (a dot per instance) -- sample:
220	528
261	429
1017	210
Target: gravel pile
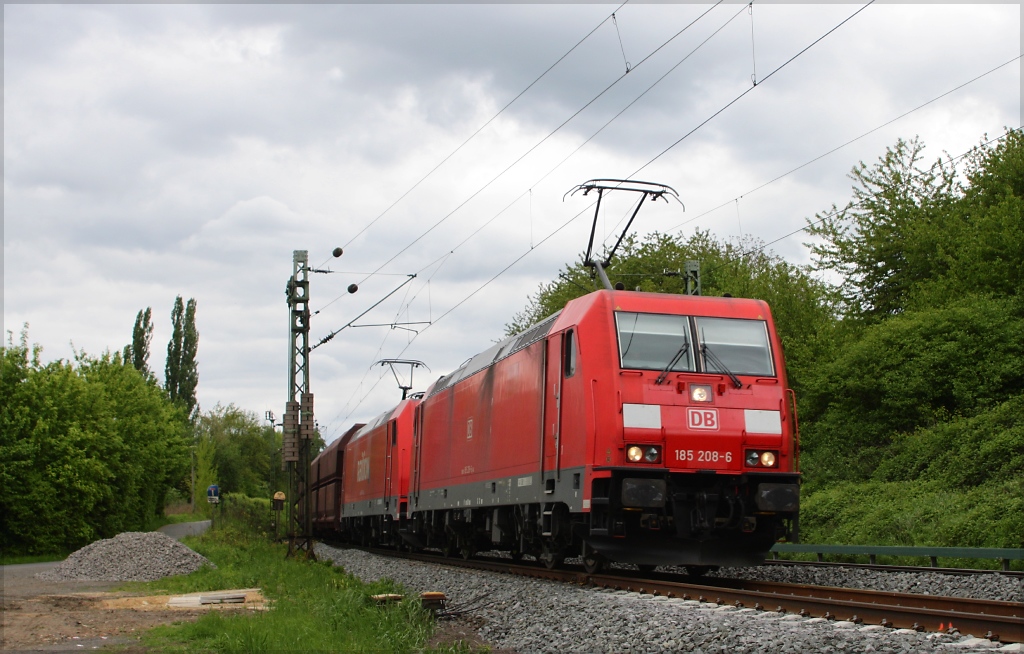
528	615
131	556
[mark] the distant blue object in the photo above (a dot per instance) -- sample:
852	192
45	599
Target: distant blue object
213	494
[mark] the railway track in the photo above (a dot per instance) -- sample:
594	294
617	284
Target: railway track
997	621
894	568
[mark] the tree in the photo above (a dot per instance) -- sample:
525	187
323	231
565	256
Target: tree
984	233
890	235
181	373
89	449
142	336
910	372
206	470
932	272
243	455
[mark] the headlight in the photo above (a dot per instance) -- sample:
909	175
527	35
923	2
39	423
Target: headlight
765	459
634	454
700	393
652	455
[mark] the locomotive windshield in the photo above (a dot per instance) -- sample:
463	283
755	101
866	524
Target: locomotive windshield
740	346
650	341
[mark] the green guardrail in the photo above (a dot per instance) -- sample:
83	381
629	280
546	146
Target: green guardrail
1004	555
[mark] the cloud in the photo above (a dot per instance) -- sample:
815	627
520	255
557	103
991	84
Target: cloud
152	151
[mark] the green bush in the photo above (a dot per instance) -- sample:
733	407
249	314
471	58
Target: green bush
252	514
89	449
963	453
911	372
915	513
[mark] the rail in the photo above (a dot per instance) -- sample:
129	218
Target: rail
999	621
1004	555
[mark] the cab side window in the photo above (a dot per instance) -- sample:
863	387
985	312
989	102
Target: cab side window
569	353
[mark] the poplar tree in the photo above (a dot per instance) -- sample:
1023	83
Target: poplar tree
181	373
142	336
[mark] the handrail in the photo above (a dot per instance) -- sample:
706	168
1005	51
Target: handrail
1004	554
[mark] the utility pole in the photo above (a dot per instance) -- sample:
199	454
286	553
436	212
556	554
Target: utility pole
298	416
693	277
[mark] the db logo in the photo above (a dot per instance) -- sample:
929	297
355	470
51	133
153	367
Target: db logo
702	418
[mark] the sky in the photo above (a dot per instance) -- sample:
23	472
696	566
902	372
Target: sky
152	151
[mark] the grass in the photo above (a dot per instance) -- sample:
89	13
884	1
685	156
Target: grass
315	607
31	558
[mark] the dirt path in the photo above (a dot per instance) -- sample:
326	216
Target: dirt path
76	616
72	616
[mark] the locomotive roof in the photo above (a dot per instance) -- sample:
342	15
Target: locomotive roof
340	441
495	353
697	305
617	300
381	419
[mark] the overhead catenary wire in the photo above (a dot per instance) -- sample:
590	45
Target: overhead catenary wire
851	141
439	262
468	297
662	153
543	177
637	99
482	127
543	140
350	323
741	95
658	156
731	261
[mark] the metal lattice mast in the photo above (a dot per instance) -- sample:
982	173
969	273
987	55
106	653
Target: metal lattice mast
299	427
693	277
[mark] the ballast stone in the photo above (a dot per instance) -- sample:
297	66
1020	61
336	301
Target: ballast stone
974	643
602	622
130	556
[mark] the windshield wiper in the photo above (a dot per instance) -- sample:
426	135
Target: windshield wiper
683	349
708	354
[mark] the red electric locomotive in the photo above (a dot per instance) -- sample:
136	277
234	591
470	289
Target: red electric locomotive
374	483
636	427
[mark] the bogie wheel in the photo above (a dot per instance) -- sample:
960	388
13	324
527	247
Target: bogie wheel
646	568
448	549
700	570
593	562
516	555
552	558
467	551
